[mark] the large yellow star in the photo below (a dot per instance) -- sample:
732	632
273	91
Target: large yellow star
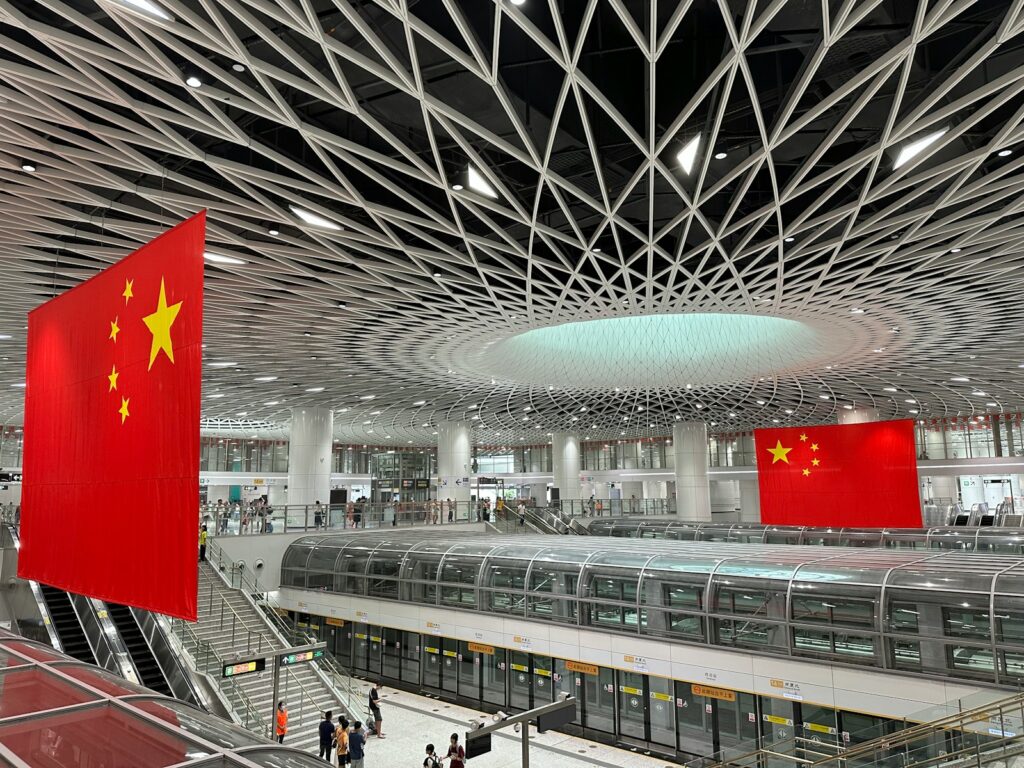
815	462
123	410
128	291
112	378
114	330
779	453
159	324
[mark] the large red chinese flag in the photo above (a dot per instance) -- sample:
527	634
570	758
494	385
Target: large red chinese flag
858	475
111	457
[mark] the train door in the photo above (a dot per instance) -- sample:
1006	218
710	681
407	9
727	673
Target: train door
431	662
543	687
520	686
494	676
632	706
449	666
410	653
391	653
661	711
695	721
470	671
735	721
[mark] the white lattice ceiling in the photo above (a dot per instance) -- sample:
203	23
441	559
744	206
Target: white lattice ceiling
490	168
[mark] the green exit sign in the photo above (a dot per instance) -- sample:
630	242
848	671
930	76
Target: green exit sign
302	657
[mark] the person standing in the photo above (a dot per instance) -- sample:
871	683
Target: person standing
341	741
456	753
431	760
327	735
202	544
281	724
356	745
451	510
318	515
375	709
521	511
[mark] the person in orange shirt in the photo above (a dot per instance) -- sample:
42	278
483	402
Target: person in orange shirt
281	728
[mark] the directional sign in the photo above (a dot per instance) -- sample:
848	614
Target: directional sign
302	657
246	667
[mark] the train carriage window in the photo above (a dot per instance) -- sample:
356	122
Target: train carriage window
835	611
966	622
1009	626
904	618
744	633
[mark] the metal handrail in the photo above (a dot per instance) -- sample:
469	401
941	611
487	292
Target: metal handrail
205	652
903	738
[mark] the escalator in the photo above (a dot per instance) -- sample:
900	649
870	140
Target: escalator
65	621
150	674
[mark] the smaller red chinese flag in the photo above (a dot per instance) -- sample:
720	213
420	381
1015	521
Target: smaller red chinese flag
111	461
853	475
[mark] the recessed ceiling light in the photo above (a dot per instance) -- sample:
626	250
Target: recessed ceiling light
4	337
217	258
992	405
721	155
960	378
215	395
273	402
242	413
978	393
315	389
265	378
856	311
19	386
910	400
517	2
915	148
273	232
314	220
912	410
420	402
222	364
597	250
192	81
955	250
824	397
28	167
760	402
688	154
478	183
1004	152
789	239
367	397
848	407
145	5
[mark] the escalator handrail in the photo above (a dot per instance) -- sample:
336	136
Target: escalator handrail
176	674
37	595
104	637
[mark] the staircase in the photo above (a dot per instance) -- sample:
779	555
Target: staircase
234	628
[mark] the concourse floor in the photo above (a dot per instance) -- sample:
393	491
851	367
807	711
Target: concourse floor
411	721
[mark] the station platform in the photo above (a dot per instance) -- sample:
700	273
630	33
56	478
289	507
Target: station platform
412	721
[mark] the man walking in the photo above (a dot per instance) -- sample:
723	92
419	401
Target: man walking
357	745
326	735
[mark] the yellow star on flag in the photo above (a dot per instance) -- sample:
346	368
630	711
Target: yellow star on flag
123	410
815	462
807	473
814	446
803	438
159	324
779	453
128	291
112	378
114	330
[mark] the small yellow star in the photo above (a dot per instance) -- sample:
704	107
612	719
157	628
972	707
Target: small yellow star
123	410
814	446
779	453
114	330
807	472
112	378
815	462
803	438
128	291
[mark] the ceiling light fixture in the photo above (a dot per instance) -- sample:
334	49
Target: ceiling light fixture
789	239
28	167
721	155
314	220
457	187
273	402
1004	152
915	148
478	183
193	81
238	67
688	154
367	397
273	231
265	378
856	311
960	378
216	258
315	389
145	5
222	364
955	250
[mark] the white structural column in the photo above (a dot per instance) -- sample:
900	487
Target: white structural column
690	449
454	459
859	414
310	442
750	501
565	464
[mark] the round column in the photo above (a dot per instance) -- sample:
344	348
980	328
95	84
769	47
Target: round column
310	442
565	464
454	459
859	414
690	449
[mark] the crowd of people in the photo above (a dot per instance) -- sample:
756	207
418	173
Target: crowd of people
347	742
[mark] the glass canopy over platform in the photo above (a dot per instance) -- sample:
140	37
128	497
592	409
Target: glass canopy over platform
59	713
